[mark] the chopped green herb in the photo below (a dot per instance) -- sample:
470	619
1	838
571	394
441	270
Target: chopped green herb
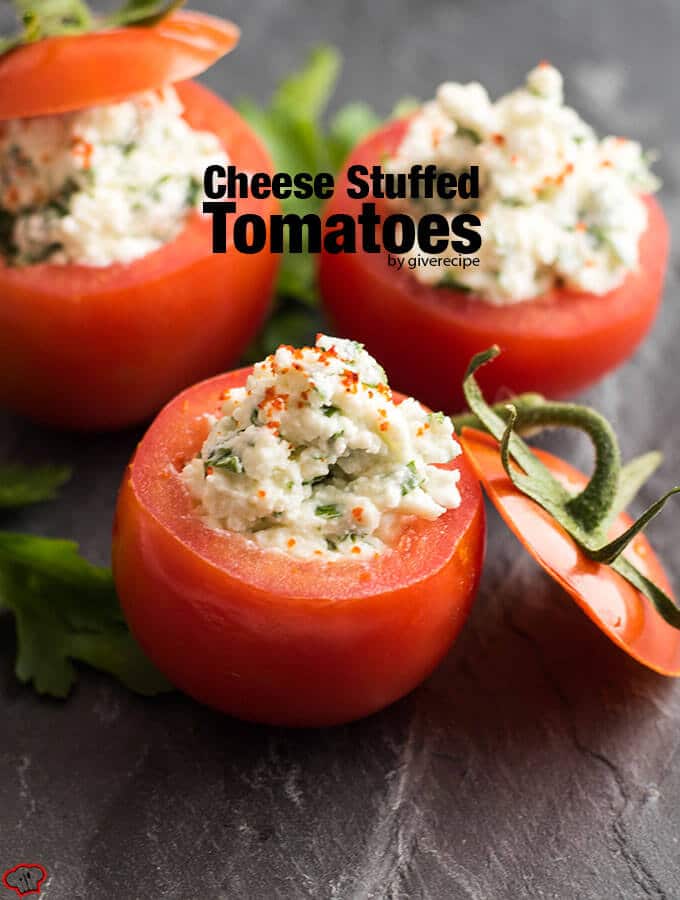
329	511
411	479
330	410
450	281
193	191
255	417
226	459
469	133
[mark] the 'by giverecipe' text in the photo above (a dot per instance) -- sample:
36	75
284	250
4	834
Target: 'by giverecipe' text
375	224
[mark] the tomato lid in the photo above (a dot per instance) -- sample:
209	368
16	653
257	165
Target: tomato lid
64	73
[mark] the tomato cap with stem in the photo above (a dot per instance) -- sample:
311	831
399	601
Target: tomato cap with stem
575	528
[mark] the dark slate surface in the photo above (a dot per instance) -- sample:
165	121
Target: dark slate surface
538	761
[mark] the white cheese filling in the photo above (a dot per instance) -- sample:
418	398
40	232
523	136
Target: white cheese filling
103	185
558	206
313	457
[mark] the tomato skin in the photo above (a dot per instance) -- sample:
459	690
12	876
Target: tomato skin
272	639
611	602
46	77
556	344
101	348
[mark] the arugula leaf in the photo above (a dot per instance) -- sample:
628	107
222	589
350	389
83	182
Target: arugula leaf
66	610
21	485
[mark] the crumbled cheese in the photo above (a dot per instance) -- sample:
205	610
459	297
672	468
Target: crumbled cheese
557	206
101	185
314	458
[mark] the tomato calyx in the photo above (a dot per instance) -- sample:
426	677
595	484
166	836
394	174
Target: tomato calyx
587	515
70	17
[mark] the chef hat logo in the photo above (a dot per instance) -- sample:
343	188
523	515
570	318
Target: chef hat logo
24	878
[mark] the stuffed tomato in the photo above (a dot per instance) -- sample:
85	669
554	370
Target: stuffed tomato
294	544
111	299
573	252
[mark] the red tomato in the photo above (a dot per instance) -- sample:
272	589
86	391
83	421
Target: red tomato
616	607
425	336
48	76
86	347
269	638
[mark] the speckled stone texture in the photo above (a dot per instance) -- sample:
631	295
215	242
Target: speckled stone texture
538	761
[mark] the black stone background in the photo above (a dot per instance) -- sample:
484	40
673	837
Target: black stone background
538	761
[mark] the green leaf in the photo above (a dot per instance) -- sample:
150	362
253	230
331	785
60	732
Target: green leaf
522	403
53	18
349	125
66	611
291	125
21	485
631	478
143	12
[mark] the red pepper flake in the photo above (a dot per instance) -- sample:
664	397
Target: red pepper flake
225	394
261	494
318	552
84	149
544	64
210	471
273	399
358	513
350	380
581	226
498	138
291	542
607	164
356	549
384	426
274	426
383	413
420	432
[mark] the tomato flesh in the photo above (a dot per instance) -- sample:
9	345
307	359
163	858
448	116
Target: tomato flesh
60	74
267	637
87	347
557	344
616	607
